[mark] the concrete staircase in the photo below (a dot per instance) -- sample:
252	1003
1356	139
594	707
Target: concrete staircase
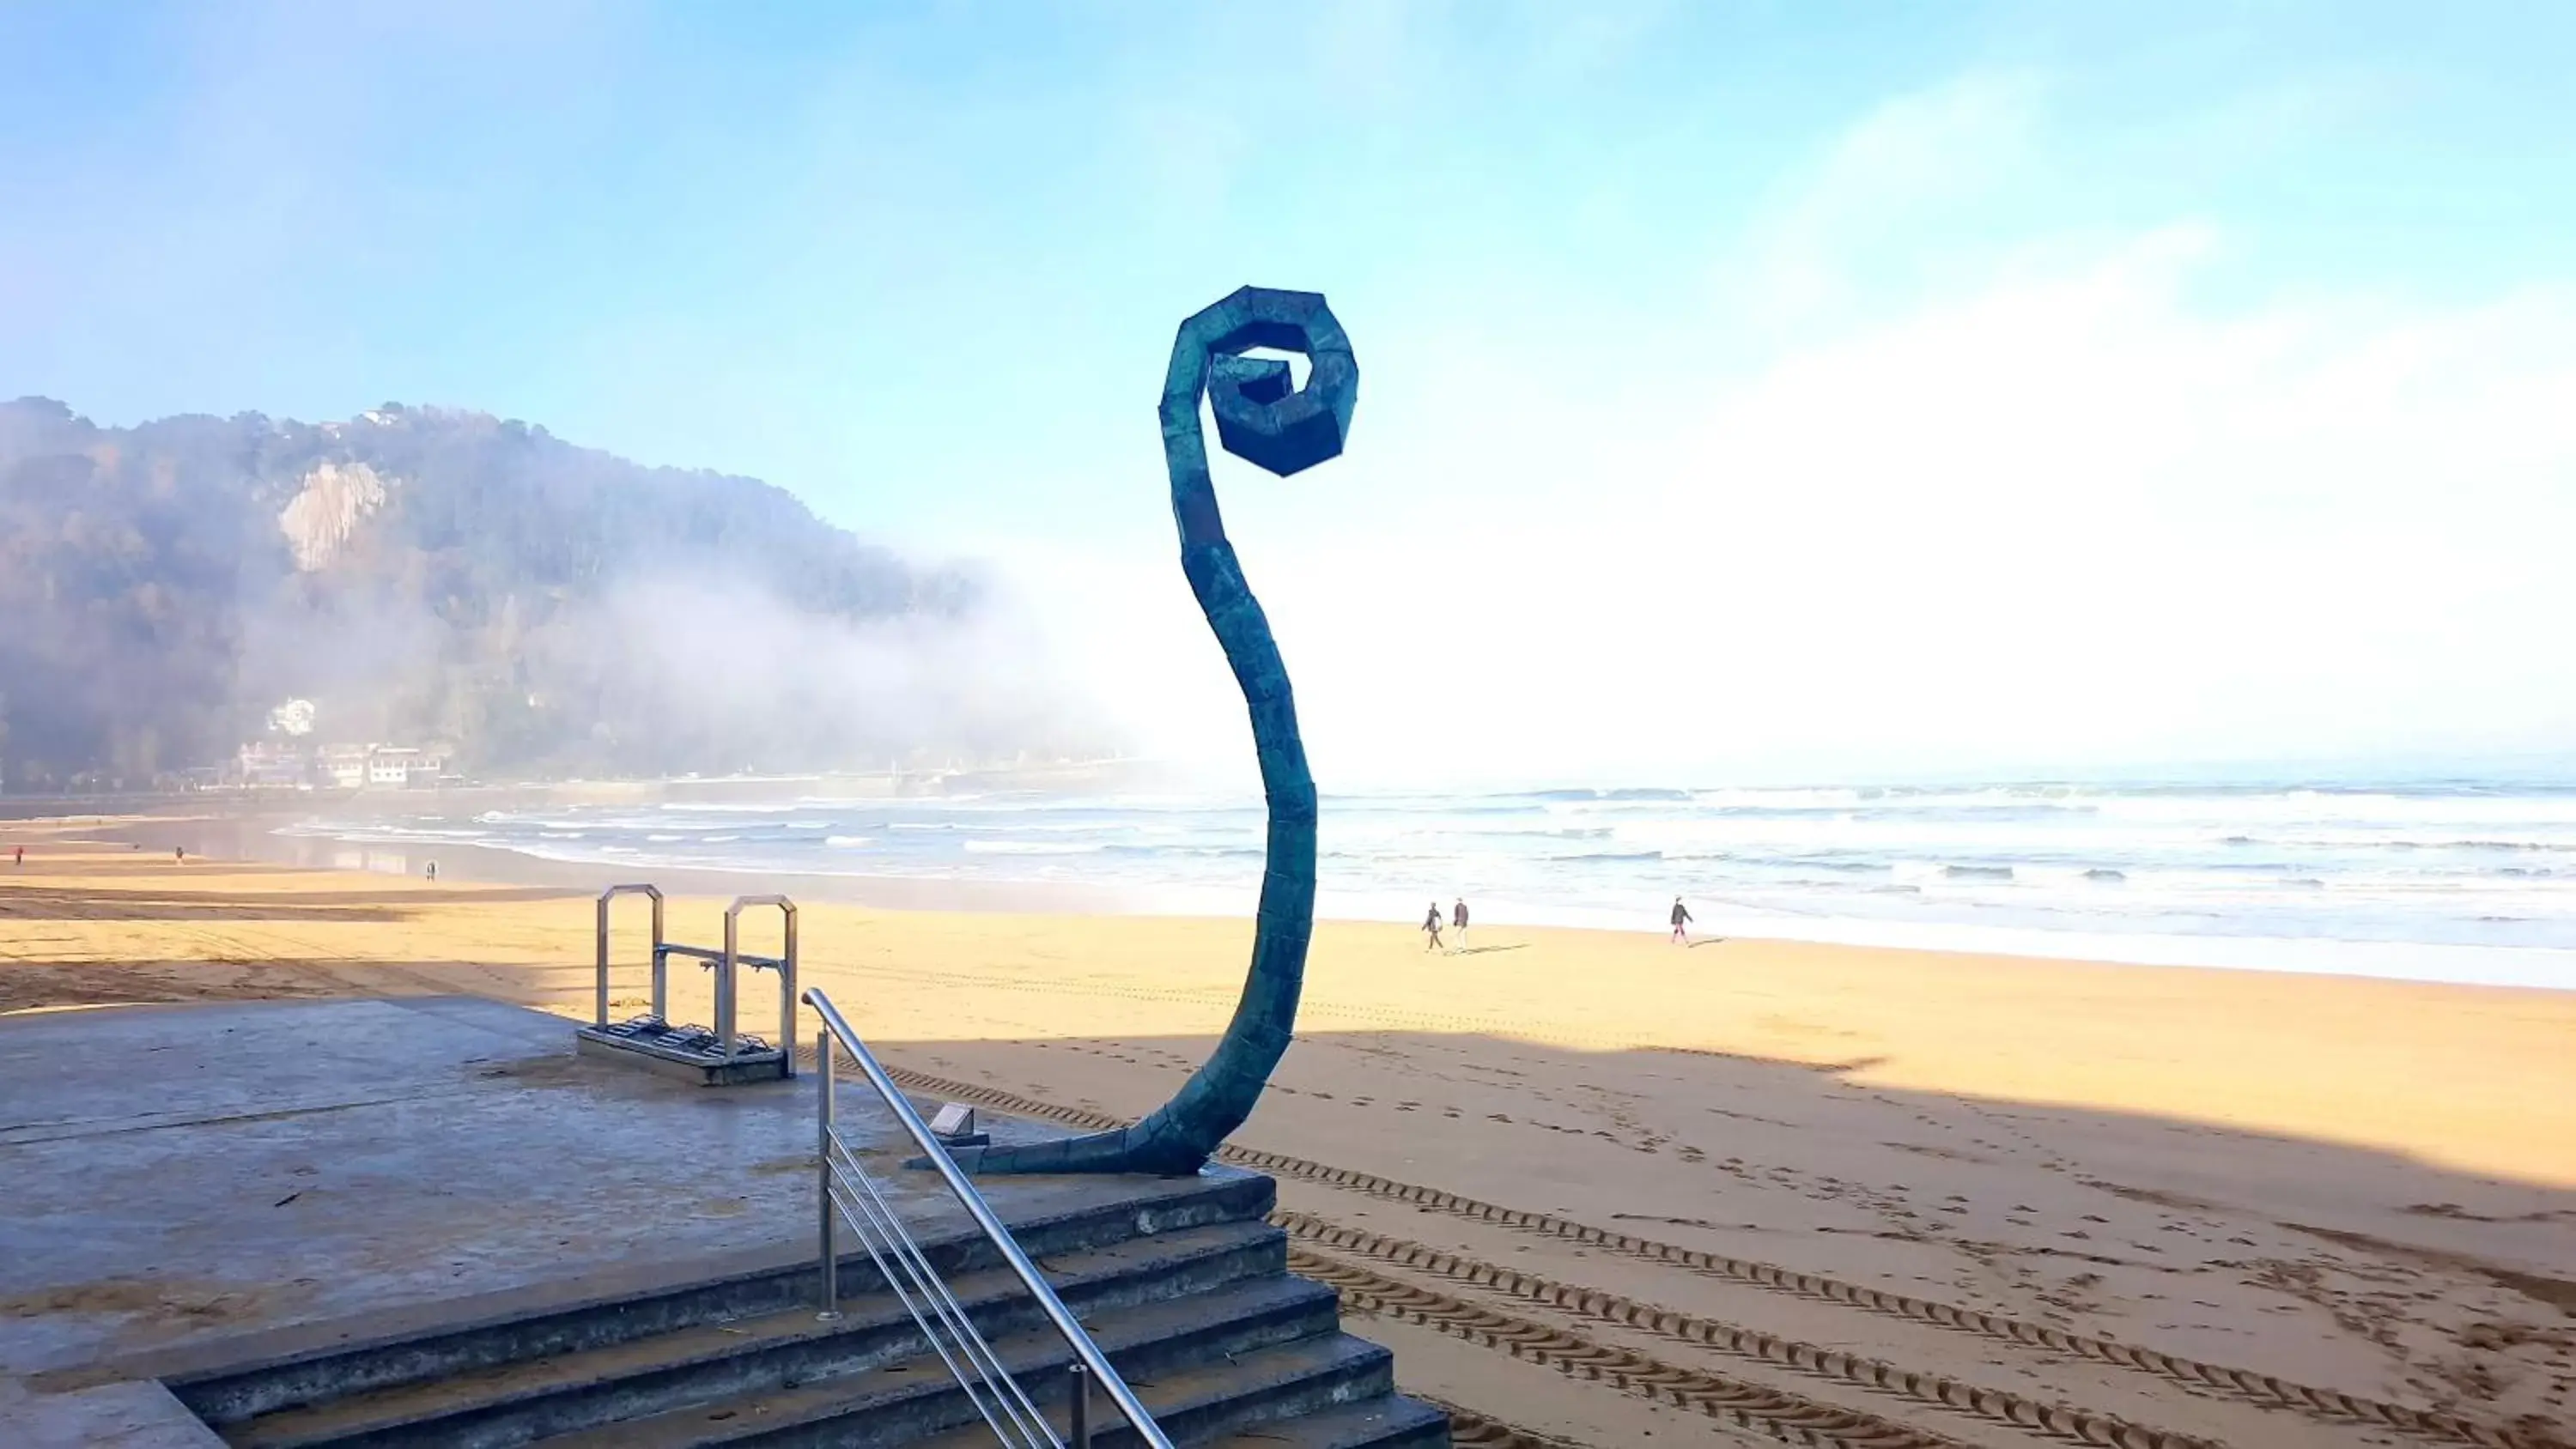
1190	1298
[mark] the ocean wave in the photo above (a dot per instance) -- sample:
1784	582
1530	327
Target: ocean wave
2364	807
1845	867
721	807
2484	867
385	834
1432	805
1632	794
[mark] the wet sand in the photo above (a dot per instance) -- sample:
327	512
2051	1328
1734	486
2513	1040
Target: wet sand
1957	1193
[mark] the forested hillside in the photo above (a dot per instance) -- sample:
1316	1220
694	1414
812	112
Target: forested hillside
427	575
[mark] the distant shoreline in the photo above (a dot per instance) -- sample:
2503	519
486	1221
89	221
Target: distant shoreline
251	838
253	835
825	785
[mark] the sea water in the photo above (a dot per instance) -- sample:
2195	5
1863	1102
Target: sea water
2455	880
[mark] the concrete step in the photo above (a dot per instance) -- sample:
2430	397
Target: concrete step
1265	1348
1320	1393
517	1403
239	1392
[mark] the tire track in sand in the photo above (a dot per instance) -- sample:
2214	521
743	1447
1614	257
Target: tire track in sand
1765	1410
1469	1429
2082	1426
2247	1385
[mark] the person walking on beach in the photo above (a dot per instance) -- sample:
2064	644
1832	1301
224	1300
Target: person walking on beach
1458	921
433	872
1681	922
1431	928
179	853
22	857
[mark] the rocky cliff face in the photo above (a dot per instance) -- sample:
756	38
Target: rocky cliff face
431	574
324	515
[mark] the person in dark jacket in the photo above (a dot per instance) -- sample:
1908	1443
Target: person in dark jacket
1431	929
1681	922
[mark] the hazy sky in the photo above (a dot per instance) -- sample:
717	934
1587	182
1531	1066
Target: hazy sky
1759	389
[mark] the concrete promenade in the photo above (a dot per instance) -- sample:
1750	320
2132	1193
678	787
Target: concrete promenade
189	1187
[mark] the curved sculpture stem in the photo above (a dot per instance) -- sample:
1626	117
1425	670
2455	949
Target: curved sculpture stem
1283	431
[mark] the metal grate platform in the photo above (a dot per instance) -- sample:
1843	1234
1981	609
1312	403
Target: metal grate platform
693	1052
723	1055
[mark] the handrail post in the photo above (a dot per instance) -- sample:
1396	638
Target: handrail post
661	965
1077	1420
724	983
823	1176
726	996
787	987
599	1001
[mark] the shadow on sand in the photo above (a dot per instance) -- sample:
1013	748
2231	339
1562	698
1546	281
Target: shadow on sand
2381	1272
2371	1271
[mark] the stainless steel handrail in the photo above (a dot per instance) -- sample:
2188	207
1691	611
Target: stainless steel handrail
1094	1364
733	959
1006	1408
661	985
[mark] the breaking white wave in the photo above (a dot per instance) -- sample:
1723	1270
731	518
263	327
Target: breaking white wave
2470	880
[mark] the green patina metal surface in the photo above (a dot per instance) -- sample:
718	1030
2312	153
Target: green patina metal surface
1263	418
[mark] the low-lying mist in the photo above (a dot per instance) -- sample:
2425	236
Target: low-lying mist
676	672
446	579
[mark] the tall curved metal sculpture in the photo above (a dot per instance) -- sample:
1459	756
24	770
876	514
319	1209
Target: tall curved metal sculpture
1263	418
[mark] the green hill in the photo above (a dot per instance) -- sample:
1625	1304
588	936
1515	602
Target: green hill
425	575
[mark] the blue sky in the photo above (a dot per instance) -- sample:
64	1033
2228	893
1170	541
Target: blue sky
1804	387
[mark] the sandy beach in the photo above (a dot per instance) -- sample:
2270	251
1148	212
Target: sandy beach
1584	1181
